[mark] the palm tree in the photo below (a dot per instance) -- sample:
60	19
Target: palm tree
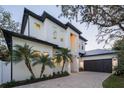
24	53
64	56
45	60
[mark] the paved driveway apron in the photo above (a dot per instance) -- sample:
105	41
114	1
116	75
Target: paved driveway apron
75	80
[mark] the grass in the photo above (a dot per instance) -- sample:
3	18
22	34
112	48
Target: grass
114	82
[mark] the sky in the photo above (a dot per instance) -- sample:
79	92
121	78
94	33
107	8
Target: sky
87	32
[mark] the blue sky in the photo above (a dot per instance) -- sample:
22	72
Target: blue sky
89	33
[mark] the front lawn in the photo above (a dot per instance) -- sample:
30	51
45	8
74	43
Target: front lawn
114	82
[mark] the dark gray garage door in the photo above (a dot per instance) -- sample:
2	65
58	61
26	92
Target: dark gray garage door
102	65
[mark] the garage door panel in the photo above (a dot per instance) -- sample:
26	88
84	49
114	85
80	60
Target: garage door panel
108	66
103	65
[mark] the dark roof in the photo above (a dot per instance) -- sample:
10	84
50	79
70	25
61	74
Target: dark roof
99	52
82	38
46	15
42	18
10	33
25	18
73	27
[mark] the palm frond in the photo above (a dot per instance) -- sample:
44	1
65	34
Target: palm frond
35	63
16	56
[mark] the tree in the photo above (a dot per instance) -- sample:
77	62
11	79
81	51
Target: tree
4	54
108	18
45	60
64	56
24	53
6	22
119	46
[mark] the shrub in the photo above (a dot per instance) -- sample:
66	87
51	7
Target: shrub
119	71
9	84
81	69
50	77
55	75
31	78
58	73
65	73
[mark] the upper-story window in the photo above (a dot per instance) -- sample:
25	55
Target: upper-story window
62	36
82	47
61	39
55	35
54	32
37	26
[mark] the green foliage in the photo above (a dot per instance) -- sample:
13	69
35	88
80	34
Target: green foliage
23	53
6	21
108	19
9	84
4	54
114	82
50	76
44	77
60	74
45	60
64	56
119	46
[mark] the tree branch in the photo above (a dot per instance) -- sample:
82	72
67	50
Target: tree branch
121	26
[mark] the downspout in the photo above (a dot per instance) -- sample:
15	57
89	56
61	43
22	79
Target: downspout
11	60
28	26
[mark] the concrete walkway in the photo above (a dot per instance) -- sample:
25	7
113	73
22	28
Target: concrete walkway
75	80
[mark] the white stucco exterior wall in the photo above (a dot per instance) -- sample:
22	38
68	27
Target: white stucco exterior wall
20	71
47	28
5	72
46	31
76	51
51	27
82	43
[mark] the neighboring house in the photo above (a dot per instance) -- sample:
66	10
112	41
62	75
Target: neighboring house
47	34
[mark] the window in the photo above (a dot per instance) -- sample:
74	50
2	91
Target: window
82	47
37	26
61	39
62	36
54	35
73	41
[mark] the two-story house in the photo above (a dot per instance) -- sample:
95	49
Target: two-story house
46	34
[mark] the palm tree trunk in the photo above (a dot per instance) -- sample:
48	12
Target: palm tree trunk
63	66
42	70
29	68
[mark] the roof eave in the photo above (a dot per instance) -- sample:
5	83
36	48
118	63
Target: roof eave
28	38
99	54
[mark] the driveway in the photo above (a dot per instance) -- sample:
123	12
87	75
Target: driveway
75	80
